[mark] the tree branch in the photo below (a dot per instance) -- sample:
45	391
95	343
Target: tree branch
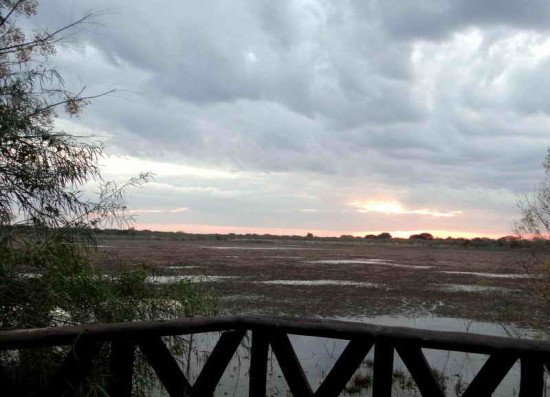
42	41
10	13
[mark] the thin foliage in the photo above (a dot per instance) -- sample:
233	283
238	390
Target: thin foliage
535	226
47	221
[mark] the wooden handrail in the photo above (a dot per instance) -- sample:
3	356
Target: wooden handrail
336	329
85	342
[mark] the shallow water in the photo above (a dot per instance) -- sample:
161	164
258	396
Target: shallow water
318	355
181	267
241	297
492	275
320	282
382	262
471	288
31	275
260	248
283	257
190	278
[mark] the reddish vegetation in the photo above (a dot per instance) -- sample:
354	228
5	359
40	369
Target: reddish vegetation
403	288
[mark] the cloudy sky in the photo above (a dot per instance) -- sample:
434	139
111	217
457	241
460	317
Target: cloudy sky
331	117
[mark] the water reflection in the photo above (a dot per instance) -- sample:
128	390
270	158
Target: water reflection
320	282
281	247
159	279
382	262
472	288
494	275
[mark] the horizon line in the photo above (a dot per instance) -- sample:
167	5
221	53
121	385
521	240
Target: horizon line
211	229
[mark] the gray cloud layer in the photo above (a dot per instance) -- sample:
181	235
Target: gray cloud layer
436	103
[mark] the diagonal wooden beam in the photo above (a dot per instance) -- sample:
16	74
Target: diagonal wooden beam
383	369
344	368
490	375
8	388
420	370
532	377
290	365
165	366
75	368
258	364
217	363
121	368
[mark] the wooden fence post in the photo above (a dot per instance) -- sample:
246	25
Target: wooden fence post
258	364
121	368
383	369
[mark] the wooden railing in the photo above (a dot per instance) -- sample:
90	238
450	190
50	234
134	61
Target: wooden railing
124	338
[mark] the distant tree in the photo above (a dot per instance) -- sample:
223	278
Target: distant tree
421	236
509	241
384	236
370	236
309	235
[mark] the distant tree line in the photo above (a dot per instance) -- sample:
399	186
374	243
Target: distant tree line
423	238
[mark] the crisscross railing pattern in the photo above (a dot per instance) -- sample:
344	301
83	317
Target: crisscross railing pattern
125	338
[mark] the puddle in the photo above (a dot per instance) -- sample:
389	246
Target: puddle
190	278
181	267
30	275
382	262
494	275
242	297
318	355
283	257
261	248
338	261
471	288
320	282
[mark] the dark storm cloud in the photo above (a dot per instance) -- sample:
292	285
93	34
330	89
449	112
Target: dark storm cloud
437	19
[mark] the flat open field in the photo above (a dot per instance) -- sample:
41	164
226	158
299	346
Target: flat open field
316	278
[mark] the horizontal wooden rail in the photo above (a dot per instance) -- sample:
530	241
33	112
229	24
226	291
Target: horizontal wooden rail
125	338
441	340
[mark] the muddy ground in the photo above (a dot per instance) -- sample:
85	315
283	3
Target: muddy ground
278	277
